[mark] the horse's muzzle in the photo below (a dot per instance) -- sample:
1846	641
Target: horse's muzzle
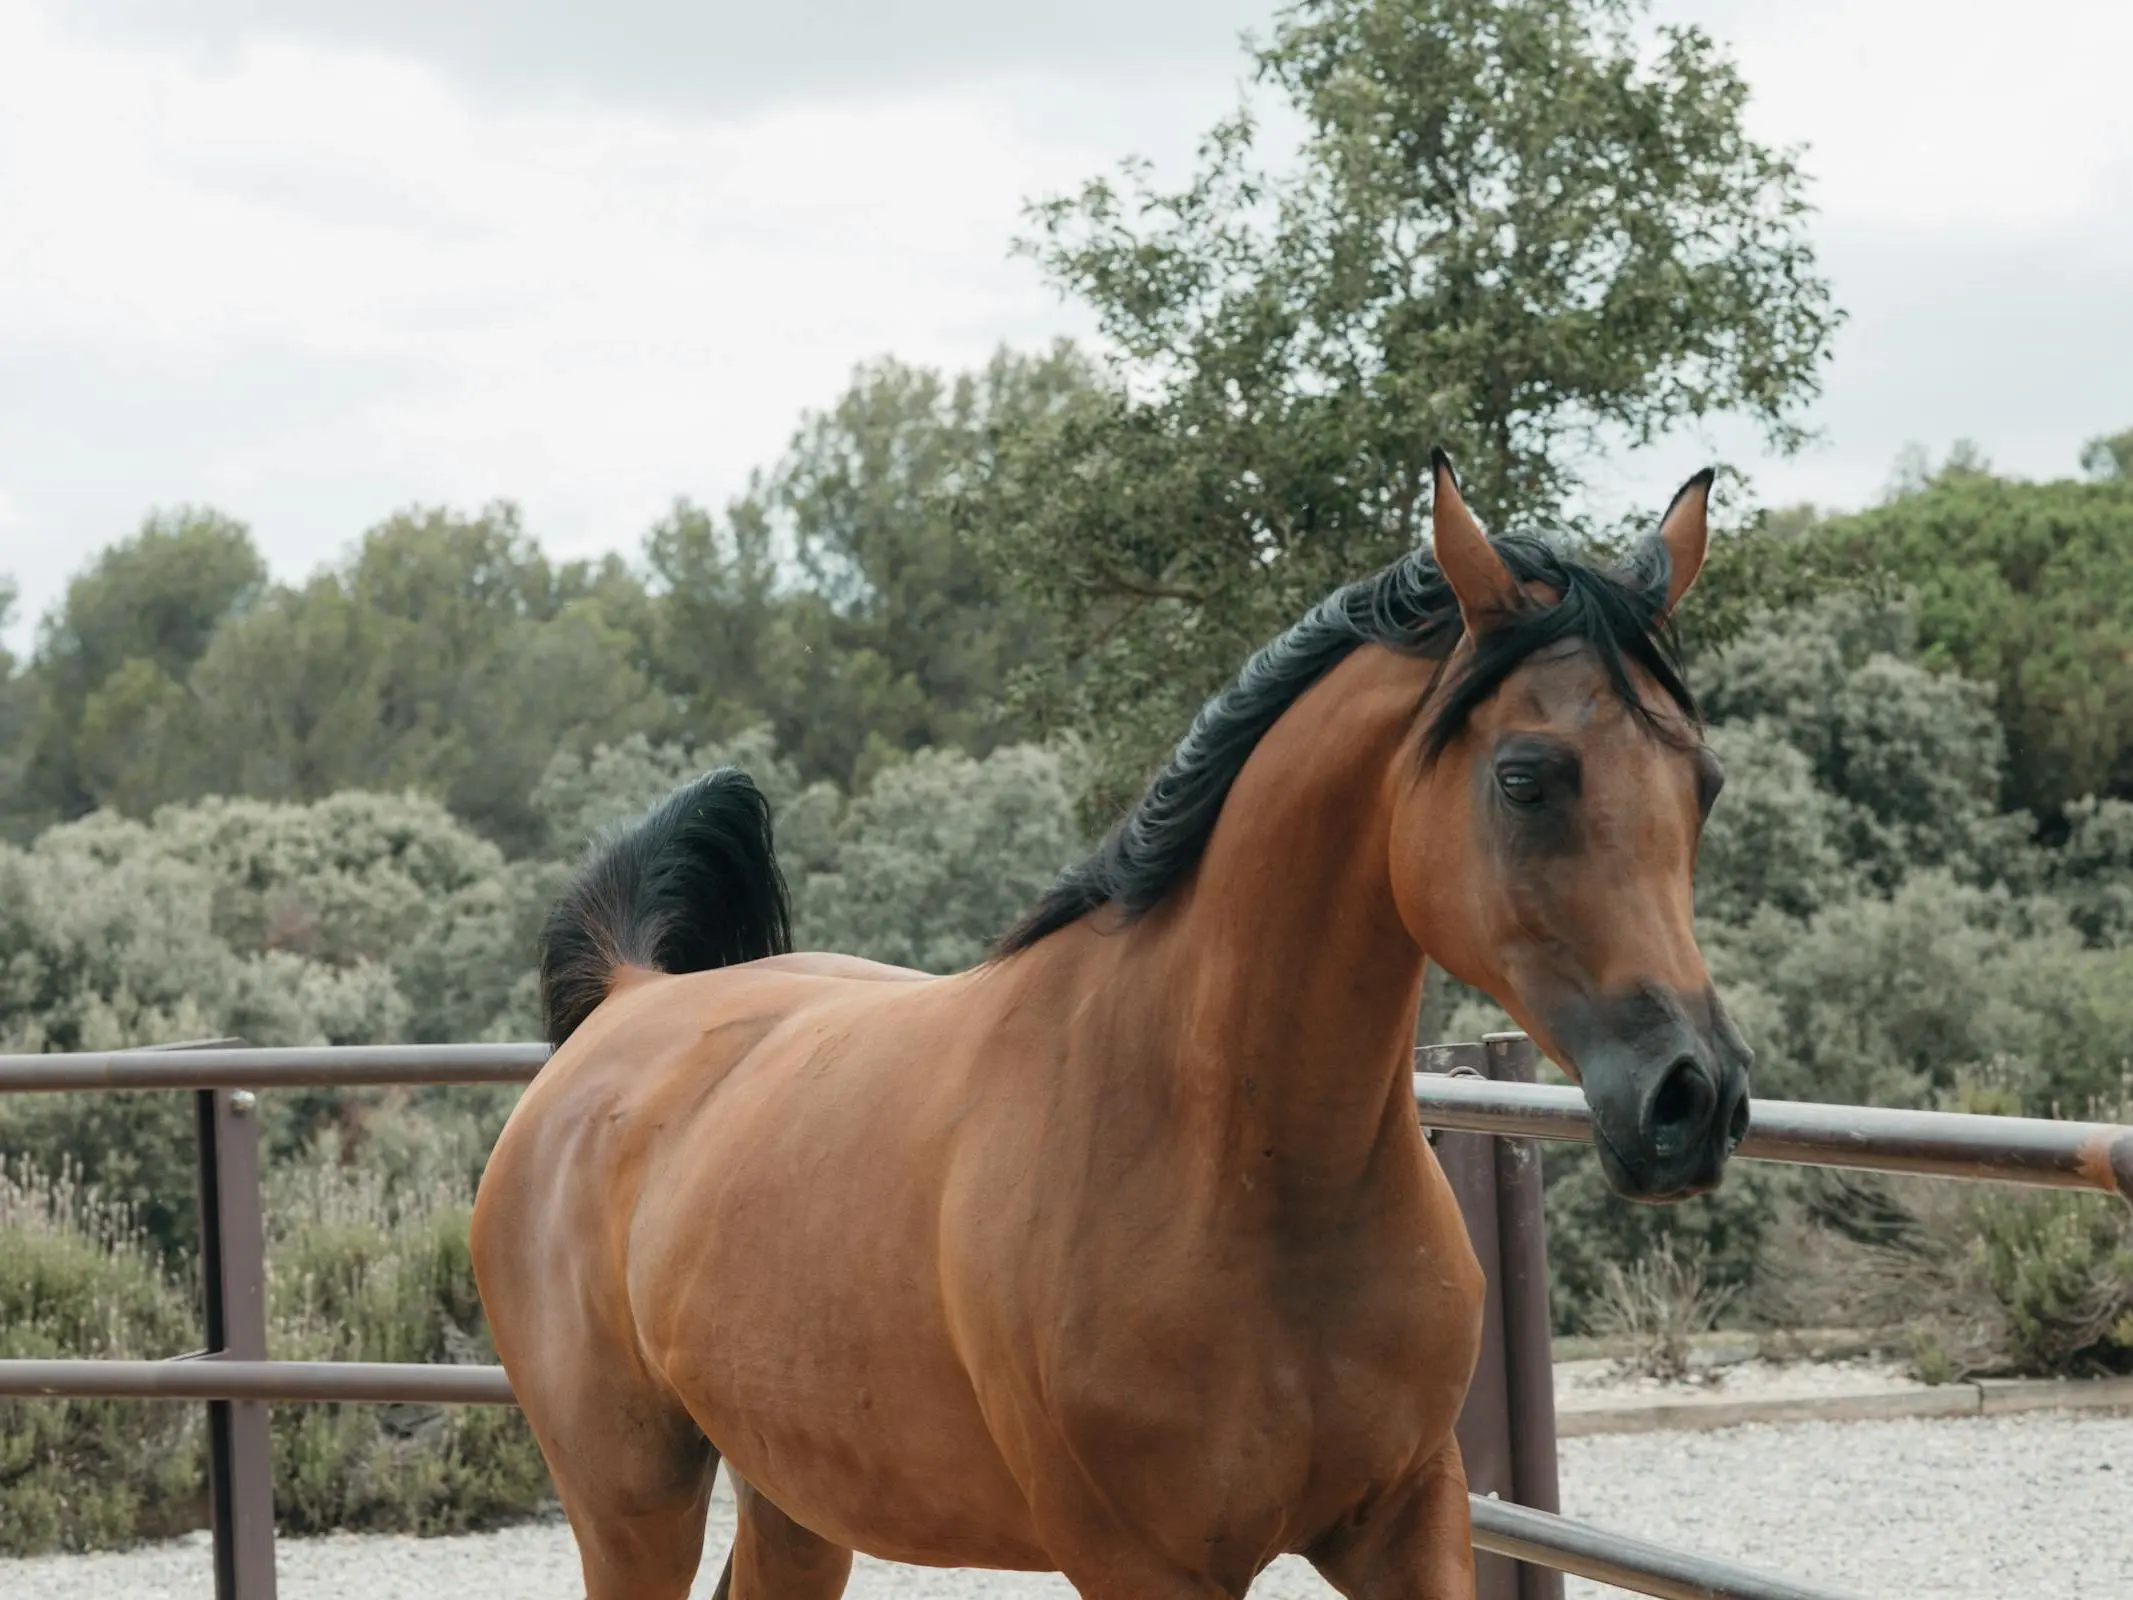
1667	1079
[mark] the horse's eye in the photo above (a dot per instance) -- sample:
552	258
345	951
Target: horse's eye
1520	788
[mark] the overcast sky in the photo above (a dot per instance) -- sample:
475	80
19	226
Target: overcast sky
313	260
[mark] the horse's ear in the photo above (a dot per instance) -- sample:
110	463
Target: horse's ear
1685	530
1487	593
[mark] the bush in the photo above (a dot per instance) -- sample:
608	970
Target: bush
2060	1268
1985	1280
360	1272
1593	1232
77	1278
940	855
1658	1304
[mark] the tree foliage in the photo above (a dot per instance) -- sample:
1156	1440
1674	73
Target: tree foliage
941	854
899	636
1514	231
2026	588
114	656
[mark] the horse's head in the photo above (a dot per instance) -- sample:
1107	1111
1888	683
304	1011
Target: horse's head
1545	847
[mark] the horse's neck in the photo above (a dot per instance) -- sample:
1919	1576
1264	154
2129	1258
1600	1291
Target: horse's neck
1291	981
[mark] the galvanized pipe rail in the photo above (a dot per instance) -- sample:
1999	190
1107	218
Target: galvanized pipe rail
222	1066
2021	1150
1939	1144
1537	1538
217	1377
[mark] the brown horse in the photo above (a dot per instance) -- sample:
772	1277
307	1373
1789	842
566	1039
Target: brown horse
1121	1255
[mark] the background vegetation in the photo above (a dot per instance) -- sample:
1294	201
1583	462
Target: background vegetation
951	629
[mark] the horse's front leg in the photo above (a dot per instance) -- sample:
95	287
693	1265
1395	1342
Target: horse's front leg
1418	1545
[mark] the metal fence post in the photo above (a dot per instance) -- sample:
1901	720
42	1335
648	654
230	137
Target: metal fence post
233	1281
1484	1428
1528	1346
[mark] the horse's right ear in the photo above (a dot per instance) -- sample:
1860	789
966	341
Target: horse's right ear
1487	593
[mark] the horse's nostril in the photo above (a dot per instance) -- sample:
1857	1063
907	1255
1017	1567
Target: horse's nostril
1684	1100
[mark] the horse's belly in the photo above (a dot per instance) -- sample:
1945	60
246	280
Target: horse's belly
866	1436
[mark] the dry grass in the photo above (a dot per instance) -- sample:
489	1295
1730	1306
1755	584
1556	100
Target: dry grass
1988	1280
1656	1307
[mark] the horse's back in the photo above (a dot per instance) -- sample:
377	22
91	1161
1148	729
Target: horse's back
657	1050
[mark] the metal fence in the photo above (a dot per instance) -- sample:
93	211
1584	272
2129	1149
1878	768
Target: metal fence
1479	1098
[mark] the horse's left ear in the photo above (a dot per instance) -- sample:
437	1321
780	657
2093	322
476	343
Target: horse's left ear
1685	530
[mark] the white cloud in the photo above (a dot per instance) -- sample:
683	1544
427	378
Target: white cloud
315	271
312	285
707	56
1954	112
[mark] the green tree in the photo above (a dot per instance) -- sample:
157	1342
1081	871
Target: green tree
923	637
447	655
940	855
1776	837
2026	588
1521	229
289	696
840	600
723	640
115	654
2110	457
19	692
2092	870
1905	762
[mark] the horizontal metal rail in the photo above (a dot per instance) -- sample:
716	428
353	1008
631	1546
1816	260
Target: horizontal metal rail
1551	1541
220	1378
1939	1144
2024	1150
353	1066
1532	1536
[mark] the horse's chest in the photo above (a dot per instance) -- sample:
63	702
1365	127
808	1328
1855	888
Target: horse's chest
1270	1412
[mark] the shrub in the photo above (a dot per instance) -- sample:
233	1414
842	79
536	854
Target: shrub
1658	1303
359	1271
940	855
1593	1232
77	1278
2060	1268
1986	1280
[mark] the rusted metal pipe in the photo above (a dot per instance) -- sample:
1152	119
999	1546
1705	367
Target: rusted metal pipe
217	1378
2026	1150
1535	1536
1940	1144
331	1066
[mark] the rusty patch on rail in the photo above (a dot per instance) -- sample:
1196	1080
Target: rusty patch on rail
2107	1161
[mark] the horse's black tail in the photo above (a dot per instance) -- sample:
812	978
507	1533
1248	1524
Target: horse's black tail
692	886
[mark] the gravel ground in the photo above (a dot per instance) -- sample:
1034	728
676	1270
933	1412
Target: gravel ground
2036	1505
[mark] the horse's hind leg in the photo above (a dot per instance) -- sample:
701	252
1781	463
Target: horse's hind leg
634	1475
774	1558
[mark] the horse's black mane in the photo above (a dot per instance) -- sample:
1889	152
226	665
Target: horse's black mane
1409	607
